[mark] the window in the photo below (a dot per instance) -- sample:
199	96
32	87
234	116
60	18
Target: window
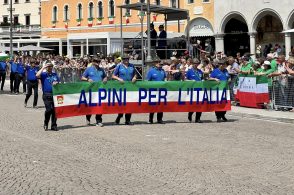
54	14
157	2
142	1
100	9
28	1
16	1
80	11
91	10
190	1
205	1
111	8
128	11
28	20
5	1
66	13
5	19
173	3
15	20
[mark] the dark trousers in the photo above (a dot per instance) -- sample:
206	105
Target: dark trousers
20	78
32	85
12	81
159	116
220	114
50	111
127	117
198	115
98	118
2	79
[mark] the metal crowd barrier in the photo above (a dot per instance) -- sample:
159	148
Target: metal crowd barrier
283	92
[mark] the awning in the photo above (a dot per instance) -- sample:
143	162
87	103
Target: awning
200	27
288	31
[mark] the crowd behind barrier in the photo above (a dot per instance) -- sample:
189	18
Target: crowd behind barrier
274	66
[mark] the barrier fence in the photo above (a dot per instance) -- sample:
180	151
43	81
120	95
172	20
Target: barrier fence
283	92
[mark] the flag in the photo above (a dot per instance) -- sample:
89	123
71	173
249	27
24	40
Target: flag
127	20
66	25
154	17
75	99
252	91
90	22
78	22
111	20
53	24
99	21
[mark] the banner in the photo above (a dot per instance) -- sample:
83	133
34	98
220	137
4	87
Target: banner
252	91
74	99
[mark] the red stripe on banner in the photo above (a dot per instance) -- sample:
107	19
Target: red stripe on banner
69	111
252	100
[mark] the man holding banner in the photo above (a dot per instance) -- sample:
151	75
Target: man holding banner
95	74
156	74
195	74
220	74
125	72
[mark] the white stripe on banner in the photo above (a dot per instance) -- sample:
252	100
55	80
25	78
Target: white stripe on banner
133	96
248	85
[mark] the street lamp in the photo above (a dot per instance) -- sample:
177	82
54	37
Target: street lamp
10	30
149	58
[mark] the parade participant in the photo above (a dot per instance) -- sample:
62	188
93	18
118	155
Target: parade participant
162	42
13	73
125	72
48	79
20	77
220	74
195	74
156	73
32	83
3	71
95	73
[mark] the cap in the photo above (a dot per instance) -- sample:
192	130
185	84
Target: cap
157	59
268	63
195	61
49	64
270	56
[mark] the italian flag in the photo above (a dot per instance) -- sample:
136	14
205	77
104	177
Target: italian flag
154	17
252	91
127	20
78	22
65	24
99	21
74	99
53	25
111	20
90	22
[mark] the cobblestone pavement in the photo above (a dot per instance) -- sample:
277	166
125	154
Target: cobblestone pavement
243	156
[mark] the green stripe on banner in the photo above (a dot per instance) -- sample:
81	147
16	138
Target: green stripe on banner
259	79
71	88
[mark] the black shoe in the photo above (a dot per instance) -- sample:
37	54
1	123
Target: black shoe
117	121
225	119
45	127
150	122
54	128
190	119
129	123
198	121
160	122
219	120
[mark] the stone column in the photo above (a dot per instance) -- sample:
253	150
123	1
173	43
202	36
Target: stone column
287	44
219	43
60	47
252	44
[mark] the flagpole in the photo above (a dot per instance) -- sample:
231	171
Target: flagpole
149	58
10	31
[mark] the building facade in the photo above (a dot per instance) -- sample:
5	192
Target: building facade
26	21
244	24
90	27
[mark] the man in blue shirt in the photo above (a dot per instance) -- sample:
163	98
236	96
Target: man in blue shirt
32	83
196	75
3	71
48	79
156	73
125	72
13	73
220	74
94	74
20	77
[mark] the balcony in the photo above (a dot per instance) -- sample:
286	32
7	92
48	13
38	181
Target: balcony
20	29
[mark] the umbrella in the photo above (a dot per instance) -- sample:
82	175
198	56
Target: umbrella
3	56
2	49
33	48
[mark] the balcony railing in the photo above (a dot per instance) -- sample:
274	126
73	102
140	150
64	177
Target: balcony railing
20	29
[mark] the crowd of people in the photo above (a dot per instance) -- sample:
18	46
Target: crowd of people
49	70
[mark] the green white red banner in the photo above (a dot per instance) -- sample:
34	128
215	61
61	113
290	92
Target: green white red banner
74	99
252	91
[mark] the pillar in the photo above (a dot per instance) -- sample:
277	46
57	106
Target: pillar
87	46
69	49
219	43
60	47
287	44
252	44
82	49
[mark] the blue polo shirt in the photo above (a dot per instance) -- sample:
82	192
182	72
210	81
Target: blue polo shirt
221	75
31	73
20	68
3	66
156	74
195	75
125	73
13	67
95	74
47	80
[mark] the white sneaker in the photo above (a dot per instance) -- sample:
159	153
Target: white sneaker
99	124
